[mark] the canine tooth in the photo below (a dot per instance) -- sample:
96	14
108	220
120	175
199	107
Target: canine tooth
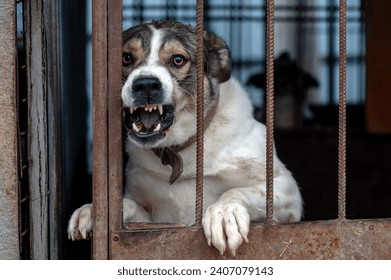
131	110
135	127
146	108
157	128
160	107
150	109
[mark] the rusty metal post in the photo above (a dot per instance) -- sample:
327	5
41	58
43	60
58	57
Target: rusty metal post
342	113
269	109
99	129
115	139
107	139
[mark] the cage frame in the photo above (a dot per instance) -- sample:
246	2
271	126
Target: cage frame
332	239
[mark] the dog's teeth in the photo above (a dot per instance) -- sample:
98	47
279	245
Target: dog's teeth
150	109
160	107
135	127
146	108
157	128
131	110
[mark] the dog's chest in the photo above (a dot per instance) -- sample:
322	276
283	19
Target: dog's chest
172	203
148	185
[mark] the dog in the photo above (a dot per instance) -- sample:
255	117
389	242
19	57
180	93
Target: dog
290	92
159	100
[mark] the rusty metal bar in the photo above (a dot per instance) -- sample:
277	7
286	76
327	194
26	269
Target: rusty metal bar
363	239
200	112
342	113
115	139
269	109
99	129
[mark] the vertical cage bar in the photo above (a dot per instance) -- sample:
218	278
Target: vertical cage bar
99	129
342	113
200	111
330	56
269	109
115	139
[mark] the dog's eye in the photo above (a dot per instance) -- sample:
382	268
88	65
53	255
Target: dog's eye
178	60
127	58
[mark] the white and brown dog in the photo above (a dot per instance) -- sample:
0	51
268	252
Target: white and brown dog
159	99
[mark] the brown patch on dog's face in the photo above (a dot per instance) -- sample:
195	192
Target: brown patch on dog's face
135	48
133	54
175	57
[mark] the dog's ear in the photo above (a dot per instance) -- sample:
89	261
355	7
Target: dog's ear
218	60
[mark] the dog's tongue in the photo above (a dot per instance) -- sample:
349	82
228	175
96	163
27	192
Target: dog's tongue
148	119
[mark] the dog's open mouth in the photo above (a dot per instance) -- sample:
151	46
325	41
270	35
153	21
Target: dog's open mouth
149	120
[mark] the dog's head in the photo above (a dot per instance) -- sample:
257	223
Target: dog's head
159	81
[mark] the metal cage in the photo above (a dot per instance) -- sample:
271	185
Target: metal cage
333	239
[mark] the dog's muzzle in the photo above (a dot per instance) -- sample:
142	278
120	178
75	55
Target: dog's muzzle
148	119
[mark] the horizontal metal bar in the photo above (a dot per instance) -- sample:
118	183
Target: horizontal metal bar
352	239
247	18
152	226
240	7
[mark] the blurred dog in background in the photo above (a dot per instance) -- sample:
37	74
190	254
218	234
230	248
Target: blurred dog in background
291	84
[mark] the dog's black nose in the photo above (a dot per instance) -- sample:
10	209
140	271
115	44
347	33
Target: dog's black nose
146	85
147	90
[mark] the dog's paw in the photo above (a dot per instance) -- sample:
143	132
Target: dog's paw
226	224
80	224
